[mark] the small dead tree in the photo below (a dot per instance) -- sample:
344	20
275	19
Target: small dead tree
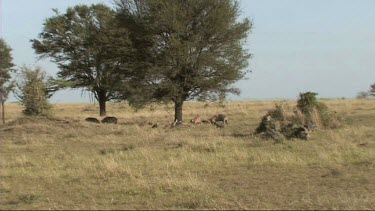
2	100
4	93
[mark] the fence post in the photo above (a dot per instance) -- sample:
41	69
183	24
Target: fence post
2	102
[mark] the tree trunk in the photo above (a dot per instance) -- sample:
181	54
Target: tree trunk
102	103
3	111
102	107
178	111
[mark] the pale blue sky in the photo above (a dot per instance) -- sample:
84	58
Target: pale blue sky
326	46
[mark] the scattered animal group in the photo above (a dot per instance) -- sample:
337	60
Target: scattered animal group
106	120
267	128
219	120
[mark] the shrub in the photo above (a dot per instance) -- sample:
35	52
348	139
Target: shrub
315	113
363	95
32	91
307	102
308	115
280	113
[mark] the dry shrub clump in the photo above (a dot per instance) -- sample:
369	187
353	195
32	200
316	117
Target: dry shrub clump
297	122
316	114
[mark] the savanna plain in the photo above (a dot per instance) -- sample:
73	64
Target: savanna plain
64	162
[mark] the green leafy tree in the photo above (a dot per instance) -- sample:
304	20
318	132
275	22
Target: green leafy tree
186	49
5	62
6	66
33	92
85	43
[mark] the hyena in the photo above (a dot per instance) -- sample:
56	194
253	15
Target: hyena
110	120
302	133
219	118
219	124
92	119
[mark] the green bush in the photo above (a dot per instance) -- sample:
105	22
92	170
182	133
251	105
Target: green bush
307	102
316	114
32	91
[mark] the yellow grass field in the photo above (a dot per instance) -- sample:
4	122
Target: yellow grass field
63	162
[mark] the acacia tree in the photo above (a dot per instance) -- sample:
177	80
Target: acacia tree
372	90
81	43
5	74
186	49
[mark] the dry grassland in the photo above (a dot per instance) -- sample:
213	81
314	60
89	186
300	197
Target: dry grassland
66	163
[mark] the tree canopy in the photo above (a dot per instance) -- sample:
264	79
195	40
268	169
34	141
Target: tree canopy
6	66
5	62
186	48
86	45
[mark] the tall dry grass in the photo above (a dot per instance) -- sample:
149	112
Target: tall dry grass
66	163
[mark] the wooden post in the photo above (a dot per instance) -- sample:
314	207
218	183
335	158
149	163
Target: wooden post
2	102
1	116
3	111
